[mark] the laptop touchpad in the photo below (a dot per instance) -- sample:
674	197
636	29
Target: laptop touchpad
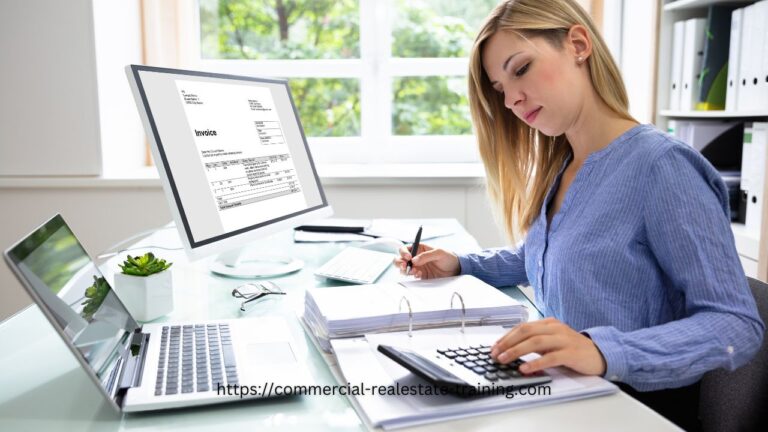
270	353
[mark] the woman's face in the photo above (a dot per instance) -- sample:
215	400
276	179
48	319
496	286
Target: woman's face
543	85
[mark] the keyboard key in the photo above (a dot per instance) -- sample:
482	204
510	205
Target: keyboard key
490	376
479	370
229	355
185	354
469	364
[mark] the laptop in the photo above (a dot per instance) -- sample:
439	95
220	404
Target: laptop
156	365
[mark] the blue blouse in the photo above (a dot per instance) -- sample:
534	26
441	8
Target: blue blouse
641	257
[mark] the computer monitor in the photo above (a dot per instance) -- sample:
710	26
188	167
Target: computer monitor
233	159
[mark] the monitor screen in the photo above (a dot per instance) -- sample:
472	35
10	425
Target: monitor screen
76	297
232	149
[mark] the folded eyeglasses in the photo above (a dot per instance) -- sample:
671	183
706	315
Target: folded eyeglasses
255	291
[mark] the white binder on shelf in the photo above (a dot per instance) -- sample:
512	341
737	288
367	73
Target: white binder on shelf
746	100
756	192
732	91
746	160
762	45
678	36
672	127
693	55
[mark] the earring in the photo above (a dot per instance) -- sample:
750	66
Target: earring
580	59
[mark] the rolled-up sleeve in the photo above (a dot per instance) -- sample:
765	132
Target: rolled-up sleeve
498	267
687	229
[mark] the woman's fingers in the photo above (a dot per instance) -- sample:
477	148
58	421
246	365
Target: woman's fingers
428	257
541	344
549	360
520	333
405	253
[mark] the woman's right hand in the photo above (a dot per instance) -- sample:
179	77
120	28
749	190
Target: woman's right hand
430	263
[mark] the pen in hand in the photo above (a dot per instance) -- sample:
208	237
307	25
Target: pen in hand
414	251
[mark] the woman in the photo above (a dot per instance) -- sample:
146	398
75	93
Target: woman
627	241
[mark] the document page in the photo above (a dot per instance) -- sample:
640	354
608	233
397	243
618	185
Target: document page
239	138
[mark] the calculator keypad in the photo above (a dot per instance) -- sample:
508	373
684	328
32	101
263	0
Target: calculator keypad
478	359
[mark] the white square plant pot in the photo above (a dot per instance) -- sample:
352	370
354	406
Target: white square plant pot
146	297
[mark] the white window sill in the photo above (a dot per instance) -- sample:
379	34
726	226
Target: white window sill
443	174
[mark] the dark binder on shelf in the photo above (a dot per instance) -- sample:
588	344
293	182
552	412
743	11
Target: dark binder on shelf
713	79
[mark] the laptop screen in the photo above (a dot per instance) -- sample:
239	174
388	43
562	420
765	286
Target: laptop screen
76	298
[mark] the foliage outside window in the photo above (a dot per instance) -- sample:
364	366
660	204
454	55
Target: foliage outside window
421	98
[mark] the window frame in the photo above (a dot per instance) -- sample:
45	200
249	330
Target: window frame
375	70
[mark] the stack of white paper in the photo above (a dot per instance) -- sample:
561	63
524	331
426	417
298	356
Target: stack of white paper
347	311
362	366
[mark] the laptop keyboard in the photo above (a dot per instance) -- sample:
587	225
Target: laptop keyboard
195	358
356	265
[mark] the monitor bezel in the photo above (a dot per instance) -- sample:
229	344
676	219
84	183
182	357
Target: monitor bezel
239	238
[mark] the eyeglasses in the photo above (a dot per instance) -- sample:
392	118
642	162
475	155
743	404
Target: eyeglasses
255	291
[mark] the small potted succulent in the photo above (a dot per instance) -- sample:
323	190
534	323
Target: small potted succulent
145	286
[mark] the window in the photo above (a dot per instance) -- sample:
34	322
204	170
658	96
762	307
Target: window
373	80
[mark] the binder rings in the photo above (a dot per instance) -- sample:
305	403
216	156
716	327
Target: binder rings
348	311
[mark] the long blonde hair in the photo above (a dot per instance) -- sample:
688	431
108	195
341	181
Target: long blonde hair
520	162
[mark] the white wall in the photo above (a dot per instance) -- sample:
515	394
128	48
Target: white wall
638	56
117	36
49	117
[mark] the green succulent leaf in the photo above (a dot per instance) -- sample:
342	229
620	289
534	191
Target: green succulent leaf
144	265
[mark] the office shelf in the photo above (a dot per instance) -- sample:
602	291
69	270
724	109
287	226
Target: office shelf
681	5
752	247
747	243
712	114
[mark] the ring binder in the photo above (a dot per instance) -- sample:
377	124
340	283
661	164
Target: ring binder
463	309
429	305
410	314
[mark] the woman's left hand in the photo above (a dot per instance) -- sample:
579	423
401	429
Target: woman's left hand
558	344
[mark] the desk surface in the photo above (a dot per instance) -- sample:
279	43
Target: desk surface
42	386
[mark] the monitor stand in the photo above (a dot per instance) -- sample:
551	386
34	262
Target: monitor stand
231	264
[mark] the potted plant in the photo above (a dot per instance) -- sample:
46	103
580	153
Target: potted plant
145	287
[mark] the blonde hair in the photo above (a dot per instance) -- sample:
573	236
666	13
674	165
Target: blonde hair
521	163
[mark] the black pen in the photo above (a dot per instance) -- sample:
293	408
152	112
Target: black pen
414	250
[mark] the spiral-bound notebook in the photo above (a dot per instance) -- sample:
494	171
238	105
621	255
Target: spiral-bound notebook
348	311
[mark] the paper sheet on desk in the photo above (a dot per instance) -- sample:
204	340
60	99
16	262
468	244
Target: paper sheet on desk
405	231
361	363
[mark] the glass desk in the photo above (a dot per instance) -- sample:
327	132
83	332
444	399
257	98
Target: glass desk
43	388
